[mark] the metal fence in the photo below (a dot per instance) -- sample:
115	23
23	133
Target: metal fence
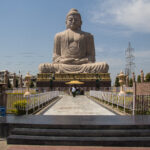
21	90
116	89
142	104
31	102
128	89
137	104
125	101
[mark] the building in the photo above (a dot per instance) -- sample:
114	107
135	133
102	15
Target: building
5	75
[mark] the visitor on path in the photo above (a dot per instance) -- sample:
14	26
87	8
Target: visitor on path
78	91
73	91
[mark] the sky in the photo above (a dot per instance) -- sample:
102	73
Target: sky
28	27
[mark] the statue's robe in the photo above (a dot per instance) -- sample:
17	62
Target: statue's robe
74	45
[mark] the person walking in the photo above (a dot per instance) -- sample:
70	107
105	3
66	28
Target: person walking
73	91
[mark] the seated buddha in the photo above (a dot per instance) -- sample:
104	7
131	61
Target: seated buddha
74	50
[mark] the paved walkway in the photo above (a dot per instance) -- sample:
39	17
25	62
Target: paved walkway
79	105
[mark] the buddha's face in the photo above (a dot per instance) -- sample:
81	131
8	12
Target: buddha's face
73	22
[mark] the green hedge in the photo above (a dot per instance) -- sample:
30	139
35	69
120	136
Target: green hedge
19	107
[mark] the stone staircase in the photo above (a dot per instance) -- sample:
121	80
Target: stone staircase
81	135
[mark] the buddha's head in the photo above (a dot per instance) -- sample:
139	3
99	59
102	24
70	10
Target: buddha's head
73	20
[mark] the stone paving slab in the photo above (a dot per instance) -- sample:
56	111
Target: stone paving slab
26	147
79	105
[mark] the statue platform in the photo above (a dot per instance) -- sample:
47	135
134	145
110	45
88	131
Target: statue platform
58	80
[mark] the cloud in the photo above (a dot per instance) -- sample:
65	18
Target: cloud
142	54
130	15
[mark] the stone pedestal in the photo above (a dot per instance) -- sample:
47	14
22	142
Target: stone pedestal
50	81
28	80
121	81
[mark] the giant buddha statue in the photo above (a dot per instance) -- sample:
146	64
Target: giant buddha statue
74	50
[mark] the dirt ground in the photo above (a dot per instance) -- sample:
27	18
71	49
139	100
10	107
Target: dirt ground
3	144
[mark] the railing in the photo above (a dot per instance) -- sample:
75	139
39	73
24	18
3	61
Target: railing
11	99
142	104
21	90
128	89
31	102
110	89
116	89
38	100
125	101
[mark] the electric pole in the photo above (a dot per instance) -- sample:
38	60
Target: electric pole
130	65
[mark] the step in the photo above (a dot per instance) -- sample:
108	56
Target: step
78	141
82	133
79	126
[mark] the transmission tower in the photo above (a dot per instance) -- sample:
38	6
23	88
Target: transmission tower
130	65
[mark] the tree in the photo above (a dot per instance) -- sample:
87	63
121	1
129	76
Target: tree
117	84
138	79
147	77
130	82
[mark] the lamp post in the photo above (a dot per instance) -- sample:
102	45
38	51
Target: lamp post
27	80
121	81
